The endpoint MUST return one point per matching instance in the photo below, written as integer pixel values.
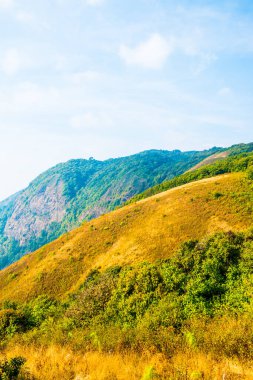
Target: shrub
(39, 309)
(250, 172)
(136, 290)
(12, 369)
(92, 299)
(12, 321)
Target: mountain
(232, 151)
(149, 230)
(235, 159)
(158, 288)
(65, 195)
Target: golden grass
(150, 229)
(57, 362)
(54, 362)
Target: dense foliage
(59, 199)
(150, 305)
(204, 278)
(13, 369)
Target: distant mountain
(69, 193)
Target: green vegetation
(206, 278)
(153, 282)
(145, 306)
(151, 230)
(232, 164)
(64, 196)
(12, 369)
(119, 288)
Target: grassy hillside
(232, 151)
(59, 199)
(157, 289)
(221, 164)
(211, 159)
(151, 229)
(172, 319)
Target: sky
(109, 78)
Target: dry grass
(210, 160)
(54, 362)
(61, 363)
(150, 229)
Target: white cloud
(11, 62)
(225, 91)
(151, 54)
(30, 95)
(84, 76)
(94, 2)
(82, 121)
(24, 16)
(27, 95)
(60, 62)
(27, 99)
(5, 4)
(92, 121)
(205, 60)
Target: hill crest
(60, 198)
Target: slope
(221, 164)
(232, 151)
(210, 160)
(59, 199)
(149, 230)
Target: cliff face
(61, 198)
(33, 213)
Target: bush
(12, 321)
(250, 173)
(93, 297)
(154, 305)
(12, 369)
(136, 290)
(39, 309)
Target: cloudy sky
(107, 78)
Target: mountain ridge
(61, 197)
(229, 161)
(149, 230)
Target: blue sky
(107, 78)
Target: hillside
(157, 289)
(232, 151)
(151, 229)
(230, 161)
(59, 199)
(210, 160)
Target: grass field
(55, 362)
